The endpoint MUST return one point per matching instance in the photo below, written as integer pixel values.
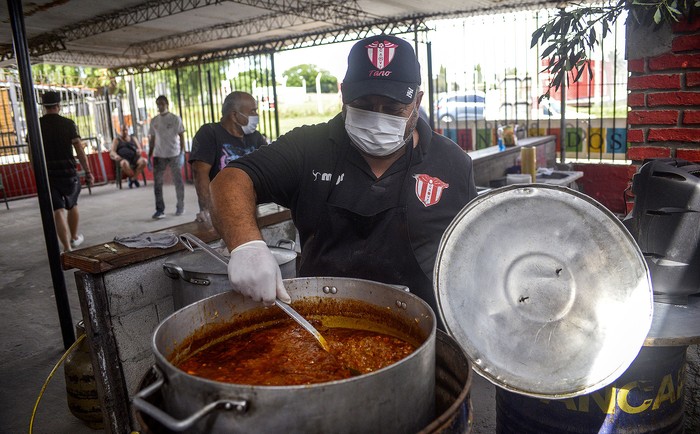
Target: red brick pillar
(664, 94)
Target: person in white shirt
(166, 147)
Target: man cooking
(371, 191)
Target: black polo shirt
(215, 146)
(312, 164)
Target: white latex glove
(253, 271)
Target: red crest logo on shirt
(429, 189)
(381, 53)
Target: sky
(333, 58)
(495, 43)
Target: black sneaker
(136, 183)
(131, 184)
(158, 215)
(179, 212)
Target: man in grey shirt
(166, 146)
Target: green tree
(308, 72)
(70, 75)
(244, 80)
(440, 82)
(569, 36)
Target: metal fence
(481, 74)
(486, 75)
(196, 93)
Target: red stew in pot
(285, 354)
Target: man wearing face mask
(217, 144)
(166, 145)
(371, 191)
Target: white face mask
(376, 134)
(251, 126)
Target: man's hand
(150, 163)
(89, 178)
(203, 217)
(253, 271)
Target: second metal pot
(196, 276)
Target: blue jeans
(159, 166)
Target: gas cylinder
(81, 389)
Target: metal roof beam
(107, 22)
(334, 12)
(145, 12)
(40, 47)
(224, 31)
(82, 58)
(339, 13)
(327, 36)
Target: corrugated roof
(159, 33)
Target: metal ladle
(188, 240)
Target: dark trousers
(159, 166)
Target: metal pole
(108, 109)
(41, 176)
(431, 90)
(211, 97)
(415, 37)
(562, 121)
(274, 94)
(179, 93)
(131, 90)
(120, 110)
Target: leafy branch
(570, 35)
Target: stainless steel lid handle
(188, 240)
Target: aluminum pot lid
(201, 262)
(545, 290)
(198, 262)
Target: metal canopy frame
(279, 24)
(332, 36)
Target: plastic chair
(82, 174)
(118, 175)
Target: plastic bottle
(501, 146)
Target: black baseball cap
(50, 98)
(382, 65)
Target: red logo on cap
(429, 189)
(381, 53)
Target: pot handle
(400, 287)
(291, 243)
(173, 271)
(189, 239)
(170, 422)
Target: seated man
(126, 152)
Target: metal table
(675, 324)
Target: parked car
(460, 106)
(546, 110)
(552, 108)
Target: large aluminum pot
(196, 276)
(453, 406)
(395, 399)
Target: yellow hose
(53, 371)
